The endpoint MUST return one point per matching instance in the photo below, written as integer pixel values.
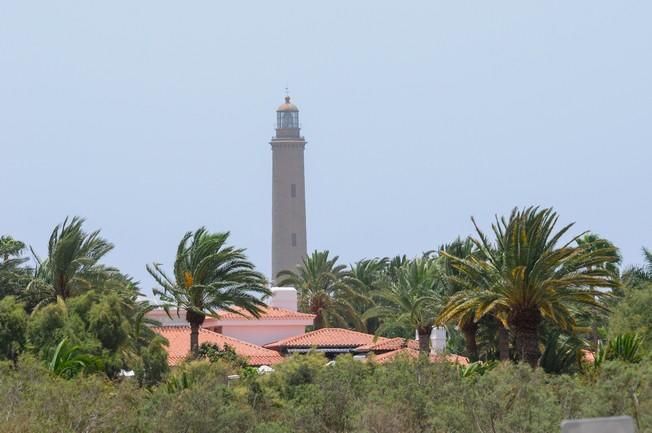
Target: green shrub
(13, 326)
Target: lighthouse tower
(288, 191)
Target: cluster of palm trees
(529, 277)
(500, 294)
(82, 297)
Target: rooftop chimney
(284, 297)
(438, 340)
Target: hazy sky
(151, 118)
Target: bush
(305, 395)
(13, 325)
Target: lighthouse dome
(287, 106)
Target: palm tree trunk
(194, 338)
(424, 340)
(470, 329)
(526, 329)
(503, 343)
(594, 334)
(195, 319)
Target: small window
(293, 190)
(294, 239)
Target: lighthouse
(289, 245)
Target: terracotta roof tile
(267, 313)
(587, 356)
(412, 353)
(179, 339)
(389, 344)
(327, 337)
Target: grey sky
(151, 118)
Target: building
(279, 320)
(336, 341)
(330, 341)
(179, 345)
(289, 244)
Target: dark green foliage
(326, 290)
(214, 353)
(107, 322)
(68, 361)
(633, 314)
(562, 353)
(626, 348)
(14, 274)
(475, 369)
(49, 325)
(101, 325)
(72, 266)
(412, 300)
(178, 382)
(153, 365)
(32, 400)
(529, 276)
(13, 327)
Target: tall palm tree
(413, 299)
(209, 277)
(592, 241)
(367, 276)
(72, 265)
(528, 277)
(465, 320)
(325, 290)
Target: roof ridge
(349, 337)
(237, 340)
(226, 337)
(171, 326)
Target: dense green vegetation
(529, 294)
(305, 396)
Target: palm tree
(413, 299)
(465, 320)
(72, 265)
(10, 250)
(209, 276)
(527, 277)
(13, 275)
(639, 276)
(592, 241)
(325, 290)
(367, 276)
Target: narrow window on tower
(294, 239)
(293, 190)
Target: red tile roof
(587, 356)
(267, 313)
(179, 339)
(389, 344)
(327, 337)
(412, 353)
